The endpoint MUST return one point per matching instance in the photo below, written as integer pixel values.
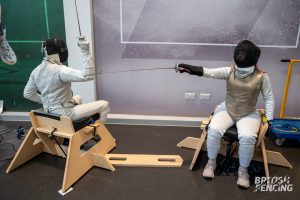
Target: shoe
(209, 169)
(7, 55)
(243, 180)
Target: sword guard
(82, 38)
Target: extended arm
(217, 73)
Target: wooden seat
(48, 132)
(78, 162)
(260, 153)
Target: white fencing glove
(83, 43)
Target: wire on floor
(4, 132)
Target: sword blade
(78, 22)
(134, 70)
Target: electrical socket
(190, 95)
(205, 96)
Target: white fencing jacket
(50, 82)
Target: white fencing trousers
(84, 110)
(247, 128)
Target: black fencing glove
(193, 70)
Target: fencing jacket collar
(54, 58)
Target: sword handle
(176, 68)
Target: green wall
(28, 23)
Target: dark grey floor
(42, 177)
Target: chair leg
(189, 142)
(271, 157)
(79, 163)
(28, 150)
(76, 164)
(198, 148)
(265, 158)
(277, 158)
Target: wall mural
(26, 28)
(134, 34)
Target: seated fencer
(244, 82)
(50, 82)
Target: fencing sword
(136, 70)
(78, 22)
(121, 71)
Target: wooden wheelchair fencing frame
(78, 161)
(260, 153)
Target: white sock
(213, 146)
(246, 152)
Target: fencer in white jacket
(50, 82)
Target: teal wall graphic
(28, 23)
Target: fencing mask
(246, 54)
(56, 46)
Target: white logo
(273, 184)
